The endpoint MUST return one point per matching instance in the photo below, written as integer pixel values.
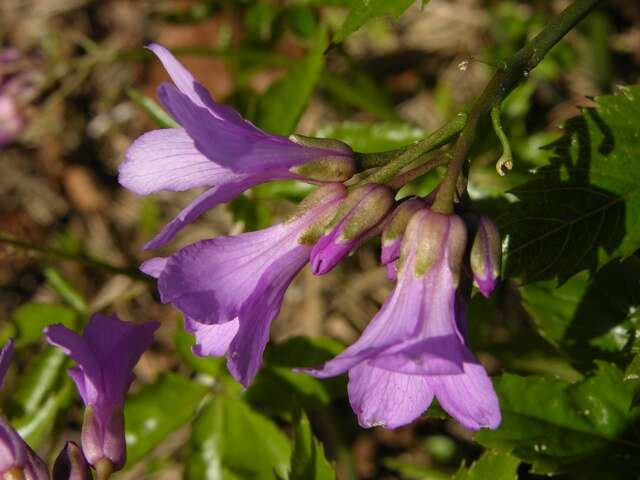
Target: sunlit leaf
(30, 320)
(493, 465)
(158, 410)
(372, 137)
(588, 318)
(580, 211)
(363, 10)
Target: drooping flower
(216, 148)
(486, 256)
(105, 355)
(414, 348)
(16, 84)
(17, 460)
(231, 288)
(71, 464)
(356, 221)
(393, 231)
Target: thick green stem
(516, 69)
(438, 138)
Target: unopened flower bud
(393, 232)
(337, 165)
(71, 464)
(486, 256)
(103, 436)
(356, 220)
(432, 238)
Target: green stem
(516, 69)
(440, 137)
(59, 254)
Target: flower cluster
(231, 288)
(105, 355)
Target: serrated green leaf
(280, 108)
(231, 440)
(155, 112)
(362, 11)
(493, 465)
(588, 318)
(30, 320)
(372, 137)
(158, 410)
(308, 461)
(585, 427)
(581, 210)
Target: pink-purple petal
(468, 397)
(388, 399)
(169, 160)
(212, 339)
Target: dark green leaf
(283, 392)
(580, 211)
(308, 461)
(372, 137)
(362, 11)
(284, 102)
(585, 427)
(493, 465)
(588, 318)
(31, 319)
(158, 410)
(358, 89)
(230, 440)
(155, 112)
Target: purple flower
(355, 222)
(16, 84)
(486, 256)
(231, 288)
(16, 457)
(71, 464)
(414, 348)
(218, 149)
(105, 355)
(6, 354)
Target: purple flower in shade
(414, 348)
(486, 255)
(231, 288)
(357, 220)
(105, 355)
(71, 464)
(16, 84)
(6, 354)
(393, 231)
(17, 460)
(218, 149)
